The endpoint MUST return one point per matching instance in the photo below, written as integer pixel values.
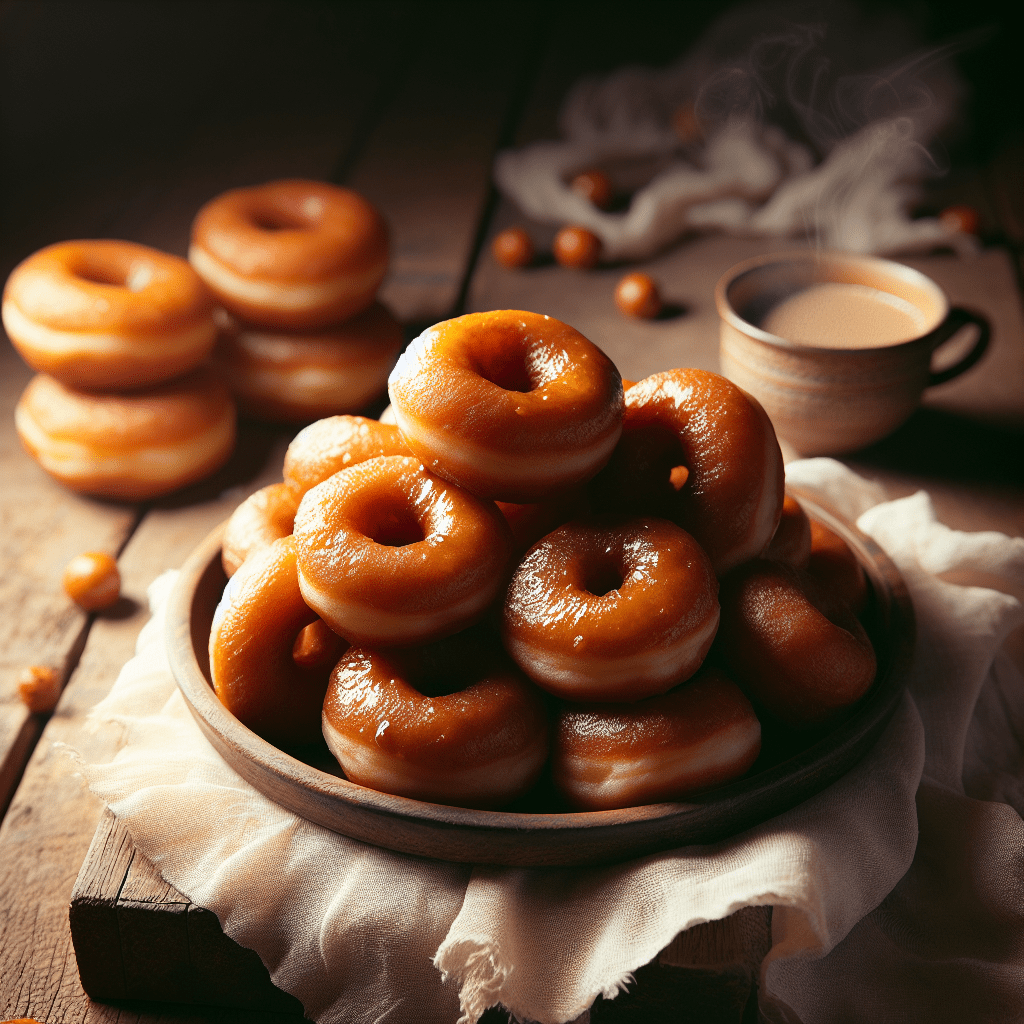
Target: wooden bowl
(788, 772)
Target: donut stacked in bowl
(523, 569)
(296, 266)
(122, 406)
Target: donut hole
(395, 527)
(506, 369)
(603, 576)
(274, 218)
(97, 270)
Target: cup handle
(957, 319)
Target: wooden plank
(48, 828)
(428, 164)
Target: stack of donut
(122, 406)
(296, 266)
(528, 567)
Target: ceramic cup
(858, 377)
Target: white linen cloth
(862, 930)
(814, 122)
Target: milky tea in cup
(837, 347)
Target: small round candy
(513, 248)
(577, 248)
(39, 688)
(92, 580)
(637, 295)
(964, 219)
(595, 186)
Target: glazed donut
(390, 554)
(453, 724)
(335, 443)
(268, 668)
(611, 609)
(510, 405)
(699, 451)
(792, 540)
(295, 378)
(265, 516)
(293, 254)
(800, 655)
(699, 735)
(836, 568)
(134, 445)
(104, 315)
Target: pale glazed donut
(510, 405)
(390, 554)
(134, 445)
(294, 254)
(698, 450)
(335, 443)
(455, 723)
(800, 655)
(268, 668)
(265, 516)
(105, 315)
(792, 540)
(699, 735)
(295, 378)
(611, 609)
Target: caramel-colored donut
(105, 315)
(390, 554)
(510, 405)
(295, 378)
(453, 724)
(835, 567)
(792, 540)
(335, 443)
(532, 521)
(134, 445)
(258, 628)
(699, 735)
(265, 516)
(699, 451)
(611, 610)
(800, 655)
(294, 254)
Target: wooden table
(122, 119)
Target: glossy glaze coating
(835, 567)
(454, 723)
(730, 497)
(265, 516)
(297, 377)
(104, 314)
(295, 254)
(92, 580)
(255, 630)
(134, 445)
(532, 521)
(799, 654)
(611, 609)
(696, 736)
(390, 554)
(335, 443)
(792, 540)
(511, 405)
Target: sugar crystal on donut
(509, 404)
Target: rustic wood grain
(427, 165)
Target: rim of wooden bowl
(518, 838)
